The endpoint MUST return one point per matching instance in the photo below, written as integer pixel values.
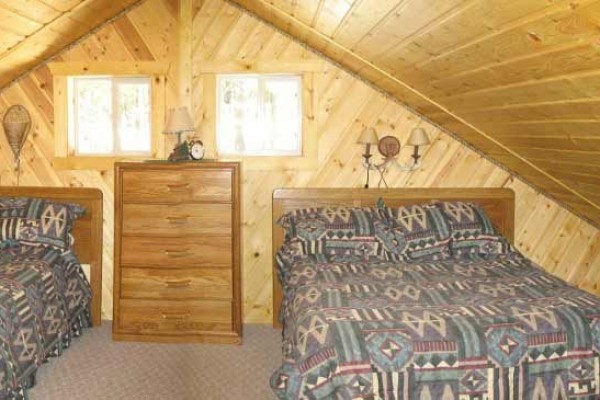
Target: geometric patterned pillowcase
(333, 231)
(472, 231)
(414, 232)
(38, 222)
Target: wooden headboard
(87, 230)
(499, 204)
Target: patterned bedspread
(458, 329)
(44, 300)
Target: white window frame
(73, 81)
(64, 154)
(262, 79)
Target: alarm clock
(196, 149)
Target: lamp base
(181, 152)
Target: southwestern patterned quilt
(495, 327)
(44, 302)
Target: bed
(478, 322)
(45, 297)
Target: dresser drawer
(177, 220)
(173, 283)
(173, 317)
(197, 251)
(161, 186)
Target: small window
(259, 115)
(109, 115)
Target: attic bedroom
(281, 199)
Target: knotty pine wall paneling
(146, 33)
(551, 235)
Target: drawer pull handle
(178, 220)
(176, 253)
(178, 284)
(178, 187)
(175, 316)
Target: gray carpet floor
(95, 367)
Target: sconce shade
(368, 136)
(179, 121)
(418, 137)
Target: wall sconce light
(368, 137)
(418, 137)
(389, 148)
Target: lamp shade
(418, 137)
(179, 121)
(368, 136)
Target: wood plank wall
(552, 236)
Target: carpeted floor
(97, 368)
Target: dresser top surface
(164, 164)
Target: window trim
(261, 78)
(309, 157)
(64, 156)
(116, 82)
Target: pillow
(414, 232)
(471, 230)
(38, 222)
(333, 230)
(285, 257)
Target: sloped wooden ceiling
(517, 79)
(32, 31)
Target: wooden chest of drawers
(177, 252)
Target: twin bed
(422, 298)
(45, 297)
